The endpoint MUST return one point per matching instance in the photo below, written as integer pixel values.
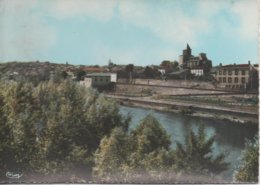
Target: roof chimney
(220, 64)
(248, 62)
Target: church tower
(187, 51)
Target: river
(230, 137)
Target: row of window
(235, 86)
(101, 79)
(224, 72)
(229, 80)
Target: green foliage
(129, 157)
(195, 156)
(53, 127)
(169, 65)
(112, 156)
(129, 69)
(248, 170)
(150, 72)
(80, 75)
(150, 136)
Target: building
(236, 76)
(198, 65)
(87, 82)
(101, 81)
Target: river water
(230, 137)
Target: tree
(136, 157)
(18, 126)
(150, 136)
(248, 169)
(195, 156)
(110, 65)
(129, 69)
(112, 157)
(169, 66)
(151, 151)
(80, 75)
(150, 72)
(54, 127)
(64, 74)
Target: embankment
(209, 111)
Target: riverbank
(196, 110)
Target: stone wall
(175, 83)
(123, 88)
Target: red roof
(93, 69)
(237, 65)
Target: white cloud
(101, 10)
(180, 26)
(172, 25)
(24, 34)
(246, 10)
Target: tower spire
(188, 47)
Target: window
(243, 72)
(236, 80)
(229, 80)
(107, 79)
(236, 72)
(243, 80)
(224, 72)
(101, 79)
(229, 72)
(95, 79)
(220, 72)
(224, 79)
(219, 79)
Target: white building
(99, 79)
(197, 71)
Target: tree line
(58, 127)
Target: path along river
(230, 137)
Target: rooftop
(93, 69)
(100, 74)
(236, 66)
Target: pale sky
(141, 32)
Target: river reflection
(230, 137)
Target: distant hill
(33, 71)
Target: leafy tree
(129, 69)
(195, 156)
(248, 170)
(150, 72)
(54, 127)
(71, 121)
(112, 157)
(64, 74)
(150, 136)
(135, 157)
(80, 75)
(169, 66)
(110, 65)
(19, 124)
(151, 146)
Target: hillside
(35, 70)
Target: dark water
(230, 137)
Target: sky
(141, 32)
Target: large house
(100, 80)
(198, 65)
(236, 76)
